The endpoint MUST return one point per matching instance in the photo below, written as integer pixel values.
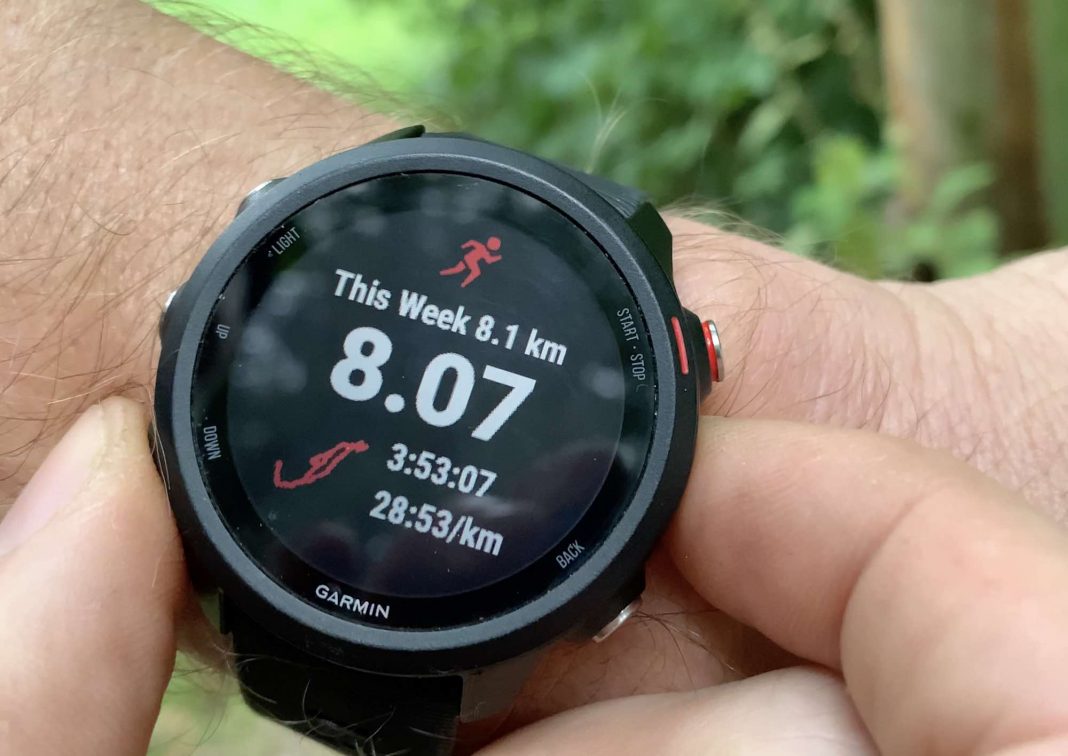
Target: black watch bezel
(219, 563)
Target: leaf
(767, 122)
(959, 185)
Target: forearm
(126, 141)
(1009, 330)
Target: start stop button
(699, 349)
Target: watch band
(351, 711)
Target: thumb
(91, 584)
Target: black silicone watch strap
(351, 711)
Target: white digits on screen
(367, 367)
(521, 388)
(431, 384)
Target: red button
(714, 349)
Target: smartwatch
(423, 409)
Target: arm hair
(126, 141)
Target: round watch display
(422, 395)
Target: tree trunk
(1049, 24)
(1017, 194)
(961, 91)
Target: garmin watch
(423, 409)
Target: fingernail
(65, 471)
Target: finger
(90, 587)
(675, 643)
(774, 311)
(791, 712)
(801, 340)
(944, 602)
(796, 335)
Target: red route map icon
(320, 465)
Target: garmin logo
(352, 604)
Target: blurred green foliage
(771, 112)
(767, 112)
(720, 102)
(849, 213)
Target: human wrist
(121, 162)
(1000, 344)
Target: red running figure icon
(477, 254)
(320, 465)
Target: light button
(165, 310)
(255, 194)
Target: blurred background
(914, 139)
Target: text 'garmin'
(351, 603)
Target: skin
(929, 604)
(128, 140)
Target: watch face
(423, 399)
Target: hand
(92, 587)
(973, 367)
(929, 604)
(940, 600)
